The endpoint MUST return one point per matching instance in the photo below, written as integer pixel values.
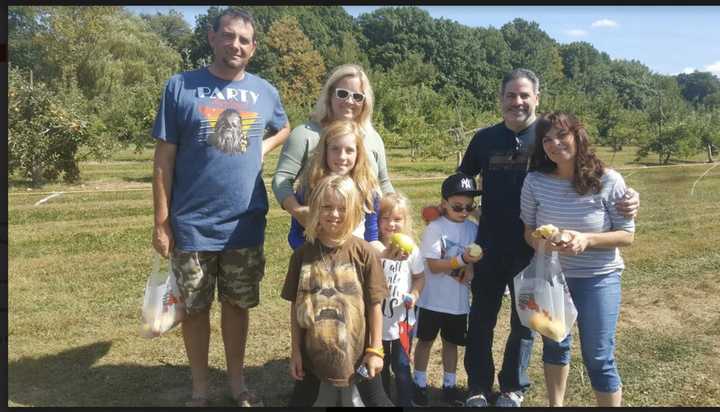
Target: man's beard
(234, 65)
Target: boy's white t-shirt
(444, 239)
(398, 274)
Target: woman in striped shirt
(569, 186)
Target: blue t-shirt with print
(218, 198)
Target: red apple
(430, 213)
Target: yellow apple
(475, 250)
(545, 231)
(538, 321)
(553, 329)
(403, 242)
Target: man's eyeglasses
(343, 94)
(459, 208)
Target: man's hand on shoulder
(630, 205)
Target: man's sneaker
(453, 396)
(420, 396)
(476, 400)
(509, 400)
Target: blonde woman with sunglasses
(346, 95)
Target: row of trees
(435, 80)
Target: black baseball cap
(459, 184)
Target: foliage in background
(432, 77)
(300, 69)
(115, 60)
(45, 131)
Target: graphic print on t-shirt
(449, 249)
(330, 308)
(393, 276)
(227, 127)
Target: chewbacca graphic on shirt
(331, 309)
(229, 136)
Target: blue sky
(667, 39)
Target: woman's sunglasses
(460, 208)
(343, 94)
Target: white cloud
(713, 68)
(604, 23)
(688, 70)
(576, 33)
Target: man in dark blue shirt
(500, 154)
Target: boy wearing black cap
(445, 300)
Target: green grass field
(78, 265)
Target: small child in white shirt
(445, 301)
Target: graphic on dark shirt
(330, 307)
(509, 160)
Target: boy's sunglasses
(460, 208)
(343, 94)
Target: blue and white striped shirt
(546, 199)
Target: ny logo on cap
(466, 183)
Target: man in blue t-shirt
(209, 197)
(500, 154)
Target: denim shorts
(597, 300)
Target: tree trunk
(709, 152)
(37, 176)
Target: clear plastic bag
(542, 298)
(163, 306)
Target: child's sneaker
(453, 396)
(509, 400)
(420, 395)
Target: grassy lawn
(78, 265)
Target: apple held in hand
(475, 250)
(545, 232)
(402, 242)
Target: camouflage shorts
(237, 272)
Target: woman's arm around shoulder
(294, 154)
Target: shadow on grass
(144, 179)
(15, 182)
(70, 379)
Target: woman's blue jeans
(597, 300)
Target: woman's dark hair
(588, 167)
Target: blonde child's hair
(345, 188)
(397, 201)
(361, 173)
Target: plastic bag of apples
(542, 298)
